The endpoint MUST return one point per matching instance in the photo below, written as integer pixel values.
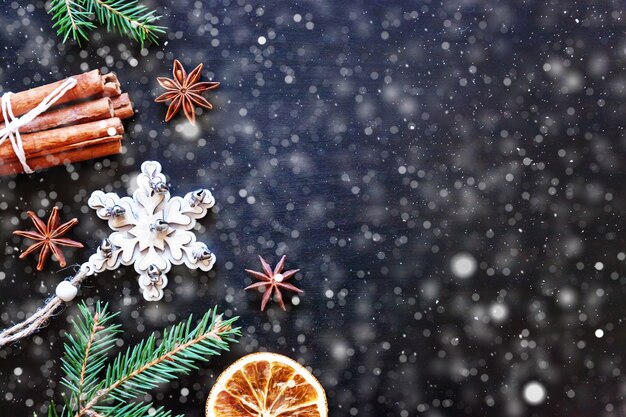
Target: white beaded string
(13, 124)
(40, 318)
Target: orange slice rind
(266, 385)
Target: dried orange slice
(266, 385)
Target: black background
(370, 142)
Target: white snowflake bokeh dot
(534, 393)
(463, 265)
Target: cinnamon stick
(97, 148)
(110, 85)
(89, 84)
(87, 111)
(57, 140)
(122, 106)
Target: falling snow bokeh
(446, 175)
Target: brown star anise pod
(184, 91)
(275, 280)
(48, 238)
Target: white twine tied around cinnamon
(13, 124)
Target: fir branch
(127, 16)
(70, 18)
(73, 18)
(86, 352)
(146, 365)
(141, 368)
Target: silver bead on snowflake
(151, 230)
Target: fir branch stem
(94, 328)
(167, 356)
(70, 15)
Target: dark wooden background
(370, 142)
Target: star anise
(48, 238)
(275, 280)
(184, 91)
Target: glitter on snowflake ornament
(151, 230)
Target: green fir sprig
(70, 19)
(101, 387)
(74, 19)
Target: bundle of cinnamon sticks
(85, 123)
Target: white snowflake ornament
(151, 230)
